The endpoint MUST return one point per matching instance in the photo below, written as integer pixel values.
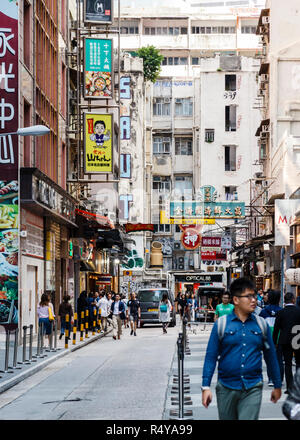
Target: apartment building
(278, 138)
(200, 121)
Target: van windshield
(150, 295)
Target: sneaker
(270, 383)
(61, 335)
(131, 333)
(114, 337)
(134, 333)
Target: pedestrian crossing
(193, 366)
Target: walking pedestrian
(103, 310)
(192, 304)
(260, 298)
(109, 303)
(286, 319)
(45, 312)
(118, 313)
(182, 301)
(269, 313)
(291, 406)
(238, 350)
(65, 309)
(134, 312)
(164, 312)
(225, 308)
(125, 320)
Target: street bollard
(41, 341)
(16, 350)
(55, 335)
(74, 328)
(181, 414)
(81, 326)
(6, 360)
(67, 331)
(30, 343)
(24, 360)
(94, 321)
(86, 323)
(98, 320)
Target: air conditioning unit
(264, 77)
(167, 100)
(181, 266)
(177, 245)
(265, 20)
(181, 260)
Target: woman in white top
(43, 313)
(164, 312)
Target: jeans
(287, 352)
(280, 363)
(239, 404)
(64, 325)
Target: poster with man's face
(98, 11)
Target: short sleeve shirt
(224, 309)
(134, 306)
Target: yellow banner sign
(164, 220)
(98, 144)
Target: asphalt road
(124, 379)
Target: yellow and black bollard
(98, 320)
(67, 331)
(74, 328)
(87, 323)
(81, 326)
(94, 320)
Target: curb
(34, 369)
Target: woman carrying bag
(164, 312)
(46, 314)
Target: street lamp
(34, 130)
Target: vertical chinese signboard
(98, 68)
(98, 11)
(9, 172)
(98, 143)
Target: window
(230, 193)
(230, 118)
(183, 31)
(209, 135)
(230, 158)
(176, 31)
(183, 147)
(162, 184)
(161, 145)
(171, 31)
(184, 187)
(162, 228)
(195, 61)
(147, 31)
(26, 142)
(230, 83)
(26, 34)
(214, 30)
(183, 61)
(184, 107)
(152, 31)
(161, 107)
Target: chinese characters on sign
(190, 237)
(98, 68)
(206, 210)
(9, 185)
(98, 143)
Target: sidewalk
(22, 371)
(193, 365)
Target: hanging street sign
(98, 68)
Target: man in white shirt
(118, 313)
(103, 310)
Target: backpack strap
(221, 324)
(263, 327)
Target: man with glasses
(238, 352)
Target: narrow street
(130, 379)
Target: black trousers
(287, 352)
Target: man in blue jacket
(118, 314)
(238, 351)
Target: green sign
(98, 68)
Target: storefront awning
(86, 266)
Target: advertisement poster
(98, 143)
(98, 11)
(98, 68)
(9, 176)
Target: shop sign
(213, 255)
(98, 68)
(167, 220)
(46, 194)
(98, 143)
(190, 239)
(206, 210)
(211, 244)
(98, 11)
(285, 211)
(199, 278)
(131, 227)
(9, 152)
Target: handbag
(163, 308)
(51, 317)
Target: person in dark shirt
(134, 313)
(65, 309)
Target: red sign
(130, 227)
(213, 255)
(190, 238)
